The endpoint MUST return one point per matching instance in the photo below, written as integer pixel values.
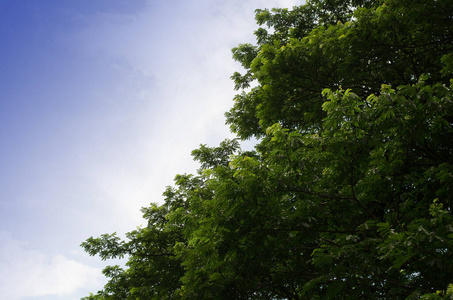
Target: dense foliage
(349, 192)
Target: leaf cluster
(327, 44)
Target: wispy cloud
(26, 273)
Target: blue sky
(101, 103)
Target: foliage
(349, 192)
(326, 44)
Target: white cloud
(26, 273)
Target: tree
(326, 44)
(350, 190)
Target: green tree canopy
(349, 192)
(327, 44)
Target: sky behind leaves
(101, 103)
